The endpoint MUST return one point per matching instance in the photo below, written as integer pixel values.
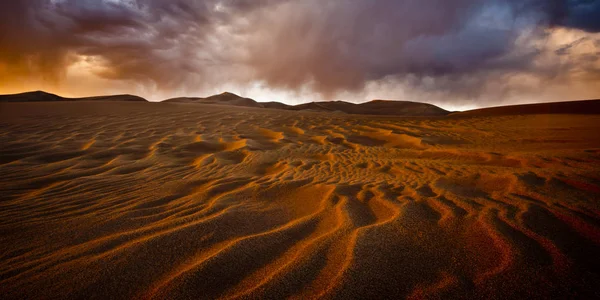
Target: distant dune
(40, 96)
(221, 99)
(376, 107)
(401, 108)
(131, 200)
(570, 107)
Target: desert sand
(111, 200)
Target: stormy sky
(453, 53)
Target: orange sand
(143, 200)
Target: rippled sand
(143, 200)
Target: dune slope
(136, 200)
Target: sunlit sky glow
(458, 54)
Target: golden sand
(143, 200)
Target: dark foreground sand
(142, 200)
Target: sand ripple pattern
(175, 201)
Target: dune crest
(132, 200)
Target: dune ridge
(131, 200)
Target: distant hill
(570, 107)
(40, 96)
(223, 99)
(376, 107)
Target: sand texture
(111, 200)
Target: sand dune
(223, 99)
(167, 201)
(375, 107)
(568, 107)
(40, 96)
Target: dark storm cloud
(343, 44)
(455, 46)
(582, 14)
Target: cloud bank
(449, 52)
